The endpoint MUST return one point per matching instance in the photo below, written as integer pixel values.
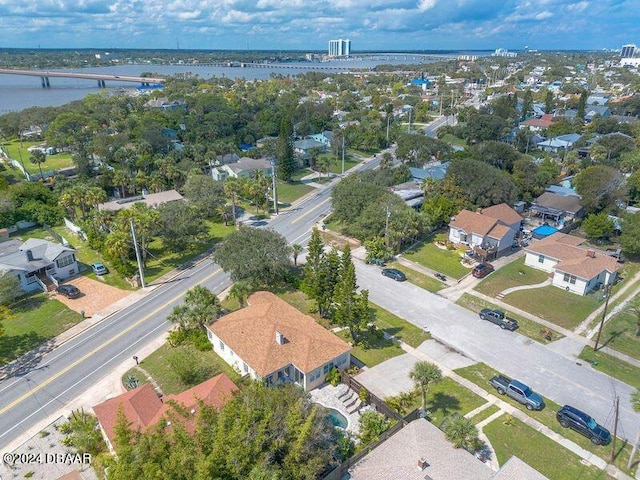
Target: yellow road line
(95, 350)
(307, 213)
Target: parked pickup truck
(499, 318)
(518, 391)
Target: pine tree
(346, 299)
(315, 258)
(327, 280)
(286, 161)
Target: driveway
(547, 371)
(389, 378)
(96, 296)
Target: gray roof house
(245, 167)
(38, 264)
(436, 172)
(562, 141)
(420, 451)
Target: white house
(37, 263)
(491, 229)
(574, 268)
(245, 167)
(270, 340)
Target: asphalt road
(549, 373)
(77, 365)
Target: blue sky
(310, 24)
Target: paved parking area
(390, 377)
(96, 296)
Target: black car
(499, 318)
(68, 291)
(394, 273)
(571, 417)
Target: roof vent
(591, 253)
(193, 410)
(422, 464)
(280, 340)
(29, 255)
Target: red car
(482, 270)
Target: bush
(334, 377)
(200, 341)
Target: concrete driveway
(389, 378)
(96, 296)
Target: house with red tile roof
(143, 408)
(538, 124)
(270, 340)
(491, 229)
(574, 268)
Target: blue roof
(420, 81)
(436, 172)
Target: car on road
(520, 392)
(571, 417)
(69, 291)
(99, 268)
(499, 318)
(482, 270)
(394, 273)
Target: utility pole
(386, 227)
(409, 127)
(342, 153)
(604, 314)
(135, 244)
(275, 191)
(615, 429)
(388, 119)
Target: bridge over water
(101, 78)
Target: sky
(372, 25)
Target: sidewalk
(505, 407)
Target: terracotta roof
(143, 408)
(72, 475)
(251, 334)
(545, 121)
(573, 259)
(503, 212)
(473, 222)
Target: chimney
(591, 253)
(478, 210)
(279, 338)
(29, 255)
(422, 464)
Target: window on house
(221, 346)
(64, 261)
(540, 258)
(570, 279)
(245, 367)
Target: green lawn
(289, 192)
(537, 450)
(551, 303)
(620, 333)
(444, 261)
(298, 174)
(453, 140)
(612, 366)
(480, 374)
(35, 319)
(158, 365)
(420, 279)
(513, 274)
(443, 400)
(399, 328)
(372, 349)
(20, 153)
(336, 162)
(484, 414)
(526, 327)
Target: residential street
(546, 371)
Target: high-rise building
(339, 48)
(628, 51)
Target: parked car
(99, 268)
(69, 291)
(520, 392)
(571, 417)
(394, 273)
(499, 318)
(482, 270)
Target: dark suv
(69, 291)
(482, 270)
(570, 417)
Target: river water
(18, 92)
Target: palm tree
(424, 374)
(240, 291)
(296, 249)
(95, 196)
(231, 190)
(120, 179)
(635, 404)
(462, 432)
(634, 309)
(38, 157)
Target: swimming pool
(543, 231)
(337, 419)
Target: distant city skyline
(310, 24)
